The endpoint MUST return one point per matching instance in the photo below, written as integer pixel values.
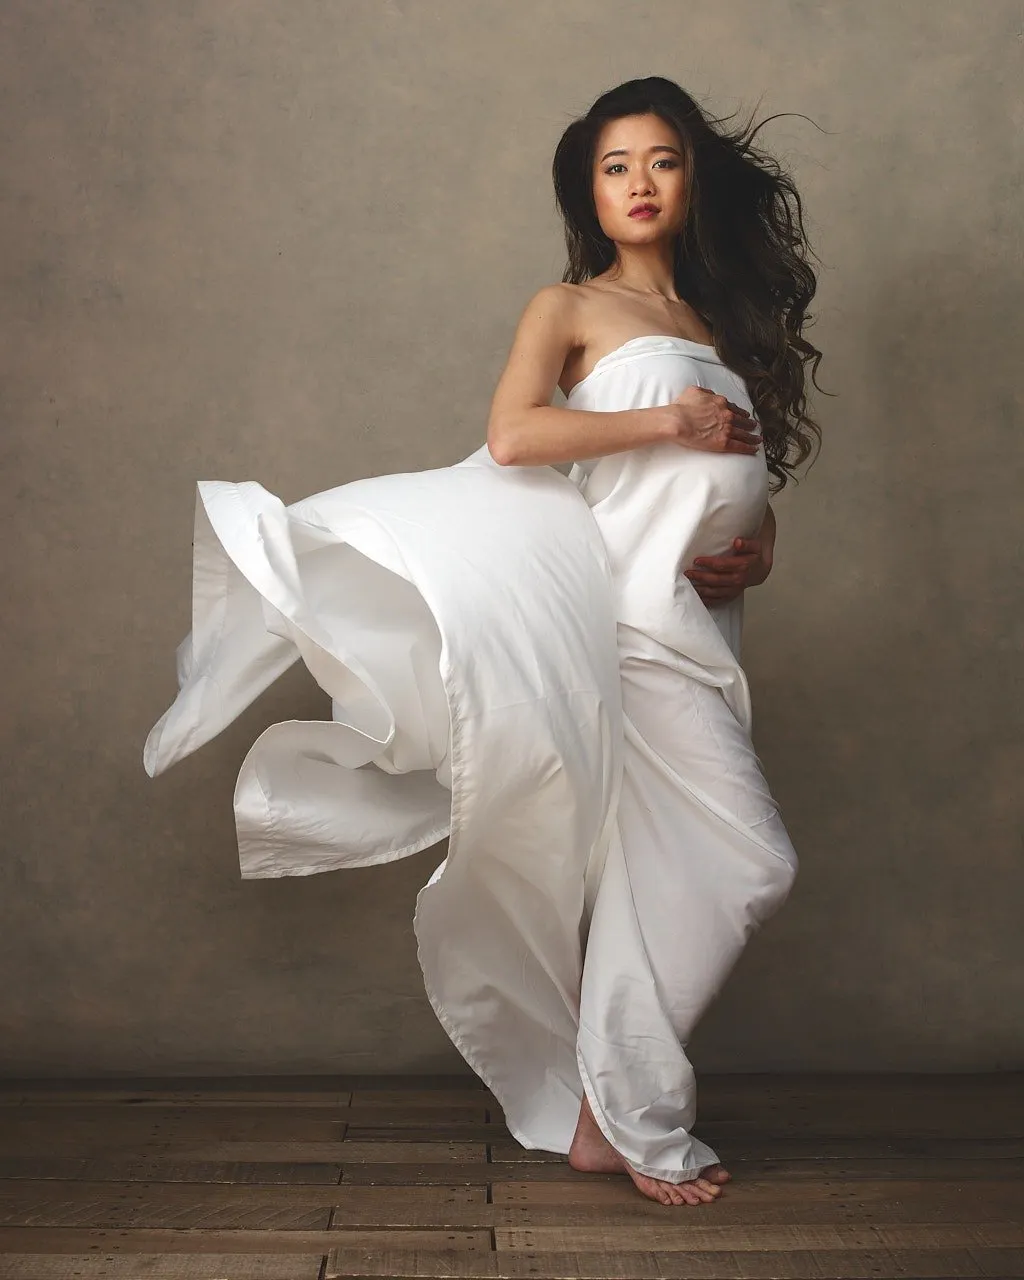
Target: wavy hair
(740, 259)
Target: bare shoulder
(552, 311)
(563, 318)
(568, 325)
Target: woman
(545, 667)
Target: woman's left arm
(719, 579)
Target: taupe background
(289, 240)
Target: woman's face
(645, 166)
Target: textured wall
(288, 240)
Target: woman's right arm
(525, 429)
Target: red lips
(646, 207)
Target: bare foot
(591, 1152)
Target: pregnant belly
(671, 501)
(735, 510)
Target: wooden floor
(874, 1176)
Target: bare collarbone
(609, 318)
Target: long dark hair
(739, 261)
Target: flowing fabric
(516, 662)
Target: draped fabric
(515, 662)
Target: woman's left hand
(719, 579)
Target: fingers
(718, 582)
(741, 439)
(728, 562)
(715, 574)
(742, 431)
(716, 590)
(718, 595)
(737, 432)
(721, 581)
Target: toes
(667, 1193)
(693, 1192)
(657, 1190)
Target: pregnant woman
(536, 651)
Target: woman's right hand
(703, 419)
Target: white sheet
(515, 661)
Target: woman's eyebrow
(622, 152)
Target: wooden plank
(921, 1106)
(777, 1193)
(945, 1168)
(899, 1124)
(158, 1266)
(479, 1173)
(57, 1240)
(133, 1169)
(413, 1114)
(136, 1205)
(425, 1173)
(512, 1151)
(443, 1240)
(448, 1099)
(898, 1127)
(69, 1128)
(166, 1205)
(330, 1098)
(192, 1149)
(346, 1083)
(972, 1105)
(631, 1209)
(126, 1123)
(999, 1262)
(826, 1091)
(396, 1112)
(87, 1240)
(439, 1199)
(399, 1152)
(819, 1146)
(466, 1132)
(688, 1234)
(803, 1171)
(438, 1086)
(855, 1179)
(179, 1151)
(398, 1264)
(831, 1085)
(280, 1126)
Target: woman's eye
(612, 167)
